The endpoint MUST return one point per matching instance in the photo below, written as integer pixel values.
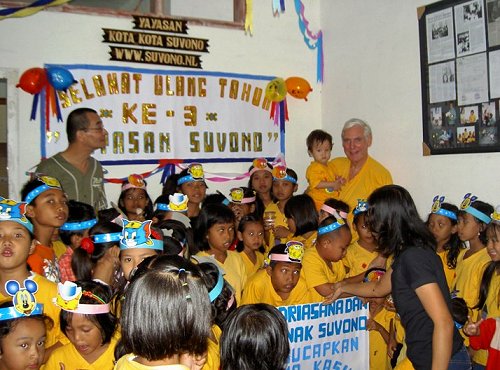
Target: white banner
(160, 114)
(328, 337)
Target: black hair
(148, 211)
(210, 215)
(255, 338)
(337, 204)
(77, 120)
(482, 207)
(160, 214)
(328, 221)
(221, 308)
(77, 212)
(108, 214)
(6, 326)
(491, 269)
(176, 237)
(278, 249)
(260, 207)
(250, 218)
(215, 198)
(395, 222)
(459, 310)
(318, 136)
(302, 210)
(454, 245)
(170, 185)
(166, 310)
(81, 262)
(28, 187)
(105, 322)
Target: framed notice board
(460, 66)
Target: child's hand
(337, 292)
(471, 329)
(339, 182)
(371, 325)
(281, 232)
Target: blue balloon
(60, 78)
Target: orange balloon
(298, 87)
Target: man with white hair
(362, 173)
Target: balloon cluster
(35, 79)
(46, 82)
(297, 87)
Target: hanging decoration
(249, 17)
(168, 167)
(278, 6)
(46, 82)
(298, 87)
(312, 40)
(25, 11)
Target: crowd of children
(190, 280)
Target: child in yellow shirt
(280, 283)
(363, 251)
(322, 265)
(251, 238)
(302, 219)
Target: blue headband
(48, 183)
(162, 207)
(8, 313)
(76, 226)
(436, 208)
(467, 207)
(286, 178)
(478, 214)
(217, 289)
(329, 228)
(105, 238)
(23, 300)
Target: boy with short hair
(280, 283)
(16, 243)
(322, 265)
(48, 210)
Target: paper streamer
(317, 39)
(31, 9)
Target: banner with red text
(153, 115)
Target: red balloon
(33, 80)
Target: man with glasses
(80, 175)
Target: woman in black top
(417, 281)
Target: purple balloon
(60, 78)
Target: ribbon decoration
(308, 36)
(249, 17)
(168, 166)
(25, 11)
(279, 113)
(278, 6)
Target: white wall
(276, 48)
(373, 72)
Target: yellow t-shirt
(251, 267)
(448, 272)
(371, 176)
(357, 259)
(46, 291)
(235, 271)
(378, 346)
(260, 289)
(59, 248)
(127, 363)
(279, 221)
(72, 360)
(316, 173)
(213, 354)
(469, 272)
(316, 271)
